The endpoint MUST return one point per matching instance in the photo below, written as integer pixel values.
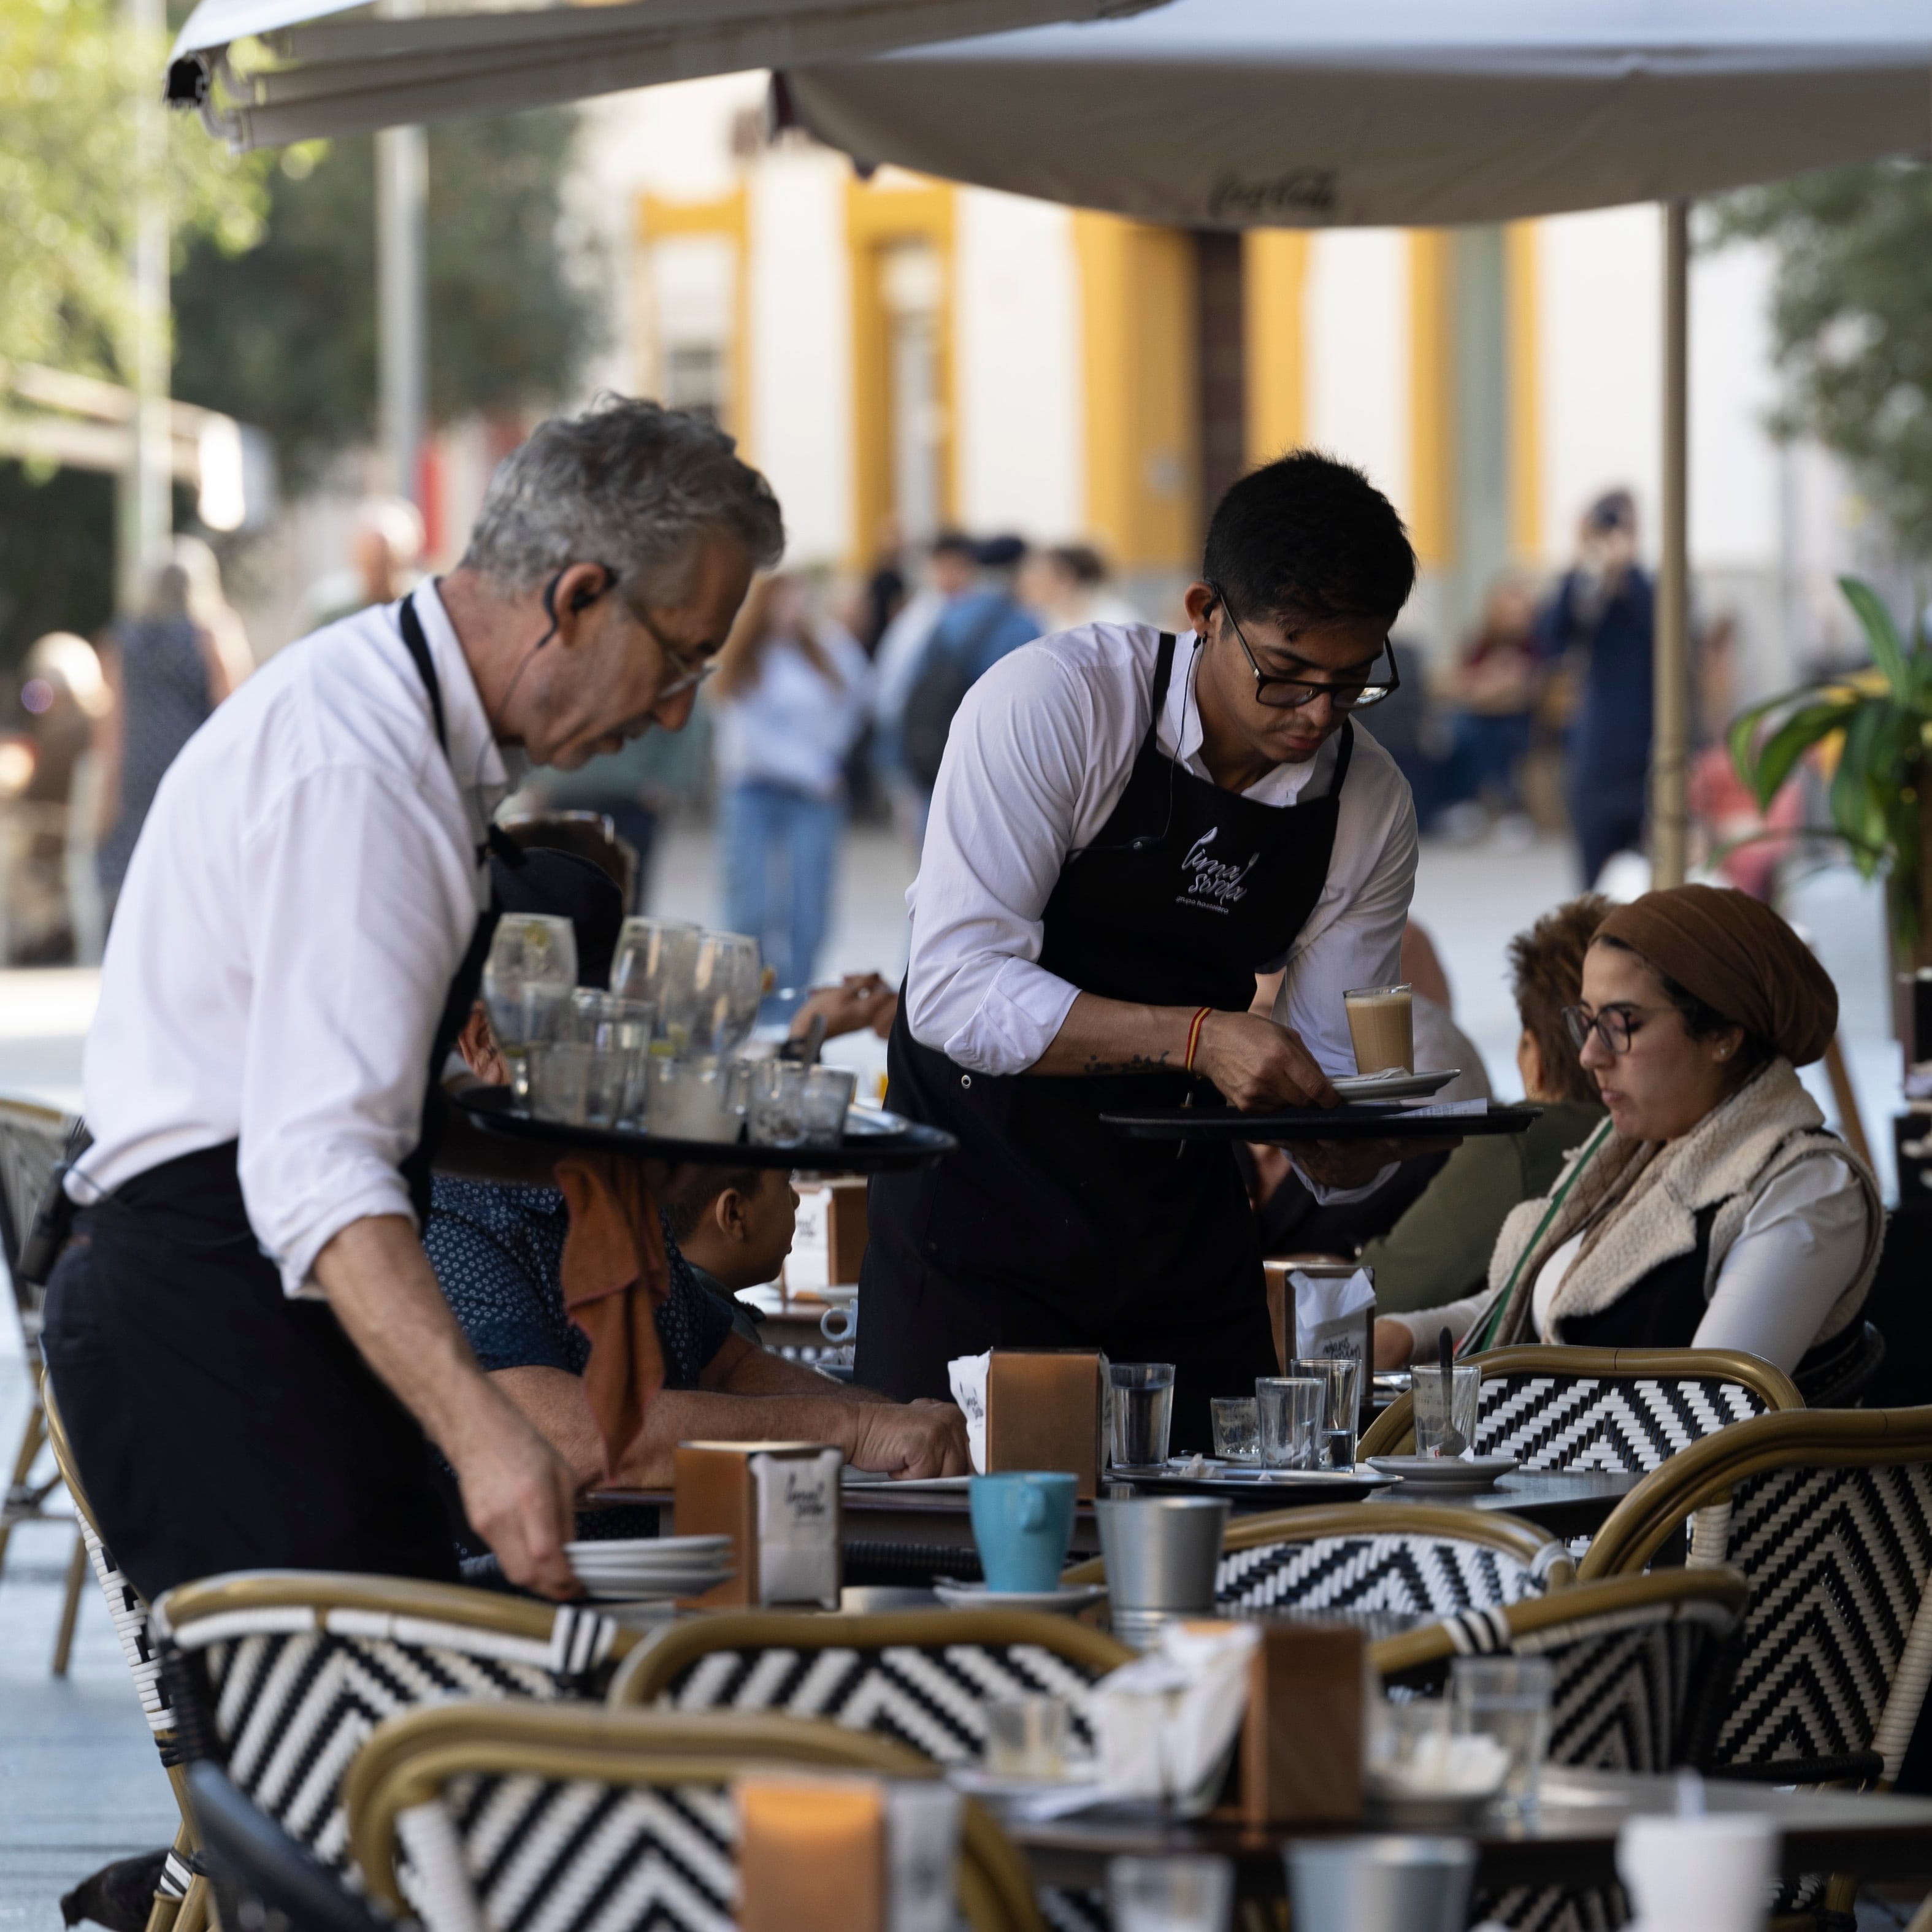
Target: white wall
(1017, 375)
(1356, 368)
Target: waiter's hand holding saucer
(1132, 831)
(247, 1340)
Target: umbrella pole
(1670, 752)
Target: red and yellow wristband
(1194, 1027)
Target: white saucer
(978, 1597)
(1445, 1472)
(1393, 1086)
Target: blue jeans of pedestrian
(780, 846)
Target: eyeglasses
(1291, 693)
(691, 672)
(1612, 1026)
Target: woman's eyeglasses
(1291, 693)
(1612, 1025)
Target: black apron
(1047, 1229)
(218, 1424)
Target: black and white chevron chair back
(1554, 1421)
(930, 1696)
(294, 1693)
(1837, 1560)
(514, 1854)
(1423, 1576)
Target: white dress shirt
(303, 890)
(1038, 755)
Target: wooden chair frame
(664, 1655)
(1393, 1433)
(410, 1758)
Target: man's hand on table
(923, 1438)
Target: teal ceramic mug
(1021, 1519)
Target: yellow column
(1274, 271)
(725, 216)
(1137, 286)
(1432, 361)
(1522, 347)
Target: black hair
(954, 543)
(1701, 1021)
(683, 1216)
(1308, 539)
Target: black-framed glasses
(1612, 1025)
(691, 672)
(1291, 693)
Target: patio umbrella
(1237, 113)
(331, 75)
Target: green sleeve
(1439, 1250)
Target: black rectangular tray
(496, 1110)
(1358, 1121)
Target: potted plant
(1877, 792)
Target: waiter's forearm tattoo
(1135, 1063)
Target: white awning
(339, 67)
(1230, 113)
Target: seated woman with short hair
(1712, 1209)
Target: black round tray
(495, 1109)
(1359, 1121)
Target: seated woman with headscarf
(1712, 1209)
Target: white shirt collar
(486, 772)
(1179, 735)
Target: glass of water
(1341, 1375)
(1506, 1699)
(527, 980)
(1446, 1407)
(559, 1080)
(828, 1092)
(776, 1102)
(1140, 1402)
(1289, 1410)
(1026, 1737)
(1237, 1428)
(1176, 1895)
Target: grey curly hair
(628, 483)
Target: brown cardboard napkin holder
(1046, 1409)
(1301, 1744)
(718, 1493)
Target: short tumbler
(1444, 1403)
(1140, 1399)
(1290, 1409)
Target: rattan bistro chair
(484, 1818)
(280, 1676)
(921, 1677)
(1622, 1409)
(1414, 1558)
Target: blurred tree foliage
(284, 337)
(1851, 313)
(72, 171)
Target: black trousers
(217, 1425)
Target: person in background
(166, 673)
(789, 700)
(1711, 1209)
(1491, 689)
(883, 596)
(734, 1231)
(1604, 614)
(386, 544)
(1439, 1249)
(952, 569)
(1069, 585)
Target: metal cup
(1380, 1884)
(1162, 1553)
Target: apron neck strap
(418, 650)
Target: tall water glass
(1289, 1409)
(727, 980)
(527, 980)
(828, 1093)
(1140, 1402)
(1171, 1894)
(1341, 1376)
(1446, 1407)
(1507, 1699)
(656, 961)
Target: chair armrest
(1863, 1767)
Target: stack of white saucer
(637, 1568)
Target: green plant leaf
(1881, 633)
(1859, 799)
(1765, 767)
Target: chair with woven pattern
(473, 1817)
(281, 1676)
(1412, 1558)
(1638, 1665)
(1828, 1515)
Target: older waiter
(1132, 834)
(245, 1336)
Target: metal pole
(147, 496)
(1670, 748)
(402, 300)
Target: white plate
(1078, 1775)
(1445, 1472)
(1393, 1086)
(978, 1597)
(664, 1546)
(879, 1479)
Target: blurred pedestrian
(385, 543)
(166, 673)
(884, 594)
(1603, 614)
(789, 698)
(1491, 690)
(1069, 585)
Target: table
(1566, 1502)
(1570, 1841)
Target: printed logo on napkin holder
(778, 1502)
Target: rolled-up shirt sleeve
(353, 894)
(1009, 796)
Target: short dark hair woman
(1711, 1209)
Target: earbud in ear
(585, 595)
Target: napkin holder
(717, 1495)
(1046, 1409)
(1301, 1743)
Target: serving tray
(1360, 1120)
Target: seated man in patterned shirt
(498, 1252)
